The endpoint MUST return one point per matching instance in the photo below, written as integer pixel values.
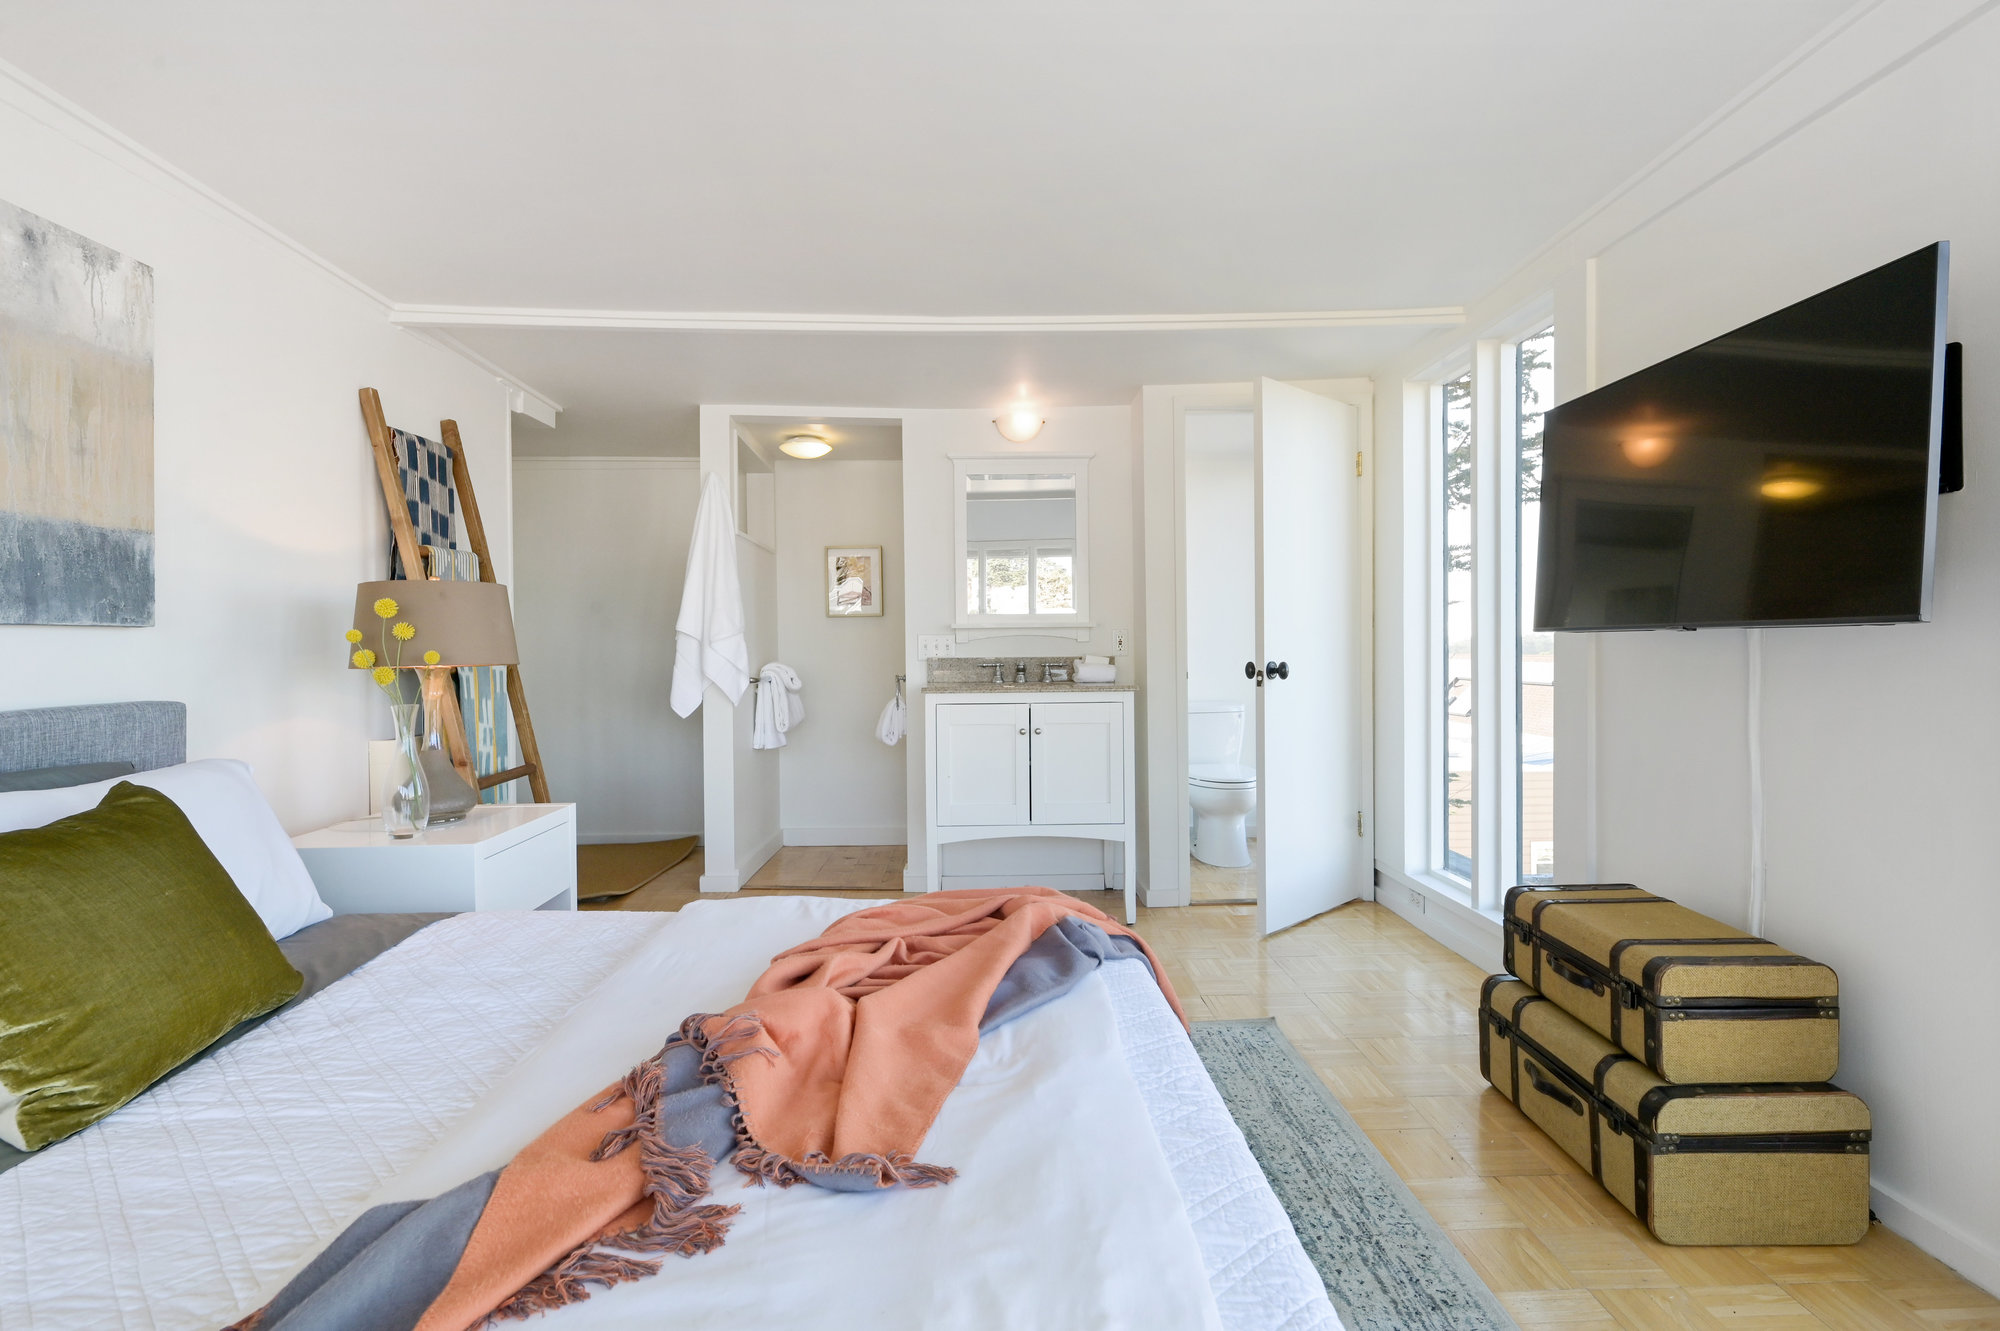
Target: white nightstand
(500, 857)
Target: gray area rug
(1386, 1264)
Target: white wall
(933, 575)
(1879, 783)
(267, 510)
(1222, 562)
(838, 784)
(601, 555)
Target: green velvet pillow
(125, 949)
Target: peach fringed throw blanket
(835, 1065)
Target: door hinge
(1357, 462)
(1357, 822)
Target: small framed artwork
(853, 580)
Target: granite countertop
(1030, 687)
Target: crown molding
(522, 397)
(483, 316)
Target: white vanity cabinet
(1032, 764)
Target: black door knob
(1278, 669)
(1249, 670)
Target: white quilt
(438, 1059)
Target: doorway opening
(1220, 724)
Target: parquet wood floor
(1385, 1015)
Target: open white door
(1310, 633)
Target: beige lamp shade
(465, 623)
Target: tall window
(1491, 725)
(1455, 438)
(1535, 653)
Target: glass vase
(406, 793)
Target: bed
(1101, 1184)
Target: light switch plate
(934, 644)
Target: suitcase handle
(1550, 1089)
(1575, 975)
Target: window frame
(1438, 857)
(1493, 363)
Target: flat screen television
(1785, 473)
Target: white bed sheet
(391, 1082)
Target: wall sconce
(805, 446)
(1018, 425)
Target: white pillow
(220, 797)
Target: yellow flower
(386, 608)
(432, 658)
(384, 676)
(354, 635)
(363, 659)
(404, 632)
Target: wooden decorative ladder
(390, 470)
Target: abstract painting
(76, 428)
(853, 580)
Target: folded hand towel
(1095, 674)
(779, 707)
(1094, 660)
(894, 721)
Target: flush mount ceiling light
(805, 446)
(1019, 424)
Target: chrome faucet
(1020, 672)
(998, 668)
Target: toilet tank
(1215, 731)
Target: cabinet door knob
(1038, 730)
(1024, 730)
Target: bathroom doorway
(1260, 767)
(1221, 618)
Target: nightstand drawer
(499, 857)
(528, 873)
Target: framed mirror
(1021, 527)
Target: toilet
(1222, 789)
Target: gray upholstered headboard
(145, 734)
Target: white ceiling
(1108, 157)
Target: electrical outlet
(1416, 900)
(934, 644)
(1118, 637)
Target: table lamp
(466, 624)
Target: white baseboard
(759, 856)
(625, 838)
(846, 836)
(1470, 933)
(720, 882)
(913, 881)
(1972, 1255)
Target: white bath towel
(708, 636)
(779, 707)
(895, 720)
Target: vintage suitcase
(1697, 1000)
(1733, 1164)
